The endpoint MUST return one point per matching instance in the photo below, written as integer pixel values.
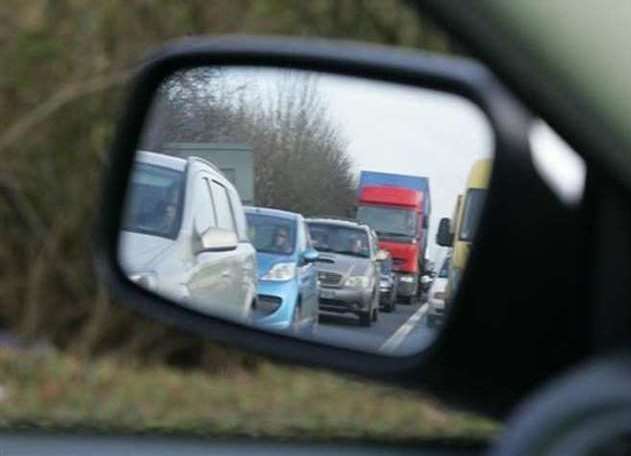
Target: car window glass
(270, 234)
(203, 206)
(339, 239)
(238, 215)
(472, 209)
(223, 209)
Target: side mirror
(310, 255)
(444, 237)
(382, 255)
(151, 155)
(218, 240)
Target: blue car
(287, 285)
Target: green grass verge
(57, 391)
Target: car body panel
(334, 269)
(301, 290)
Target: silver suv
(348, 269)
(184, 236)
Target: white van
(184, 236)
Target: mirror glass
(326, 207)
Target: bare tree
(301, 159)
(301, 162)
(191, 106)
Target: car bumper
(406, 288)
(281, 318)
(344, 300)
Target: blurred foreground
(57, 391)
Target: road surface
(399, 333)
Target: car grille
(329, 278)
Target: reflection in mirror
(300, 202)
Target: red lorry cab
(396, 214)
(392, 196)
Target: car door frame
(307, 275)
(206, 263)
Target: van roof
(170, 161)
(166, 161)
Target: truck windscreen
(472, 210)
(388, 221)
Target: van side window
(213, 221)
(225, 219)
(203, 210)
(239, 216)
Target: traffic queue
(187, 235)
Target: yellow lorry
(459, 231)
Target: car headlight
(357, 282)
(407, 278)
(147, 280)
(281, 272)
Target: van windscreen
(154, 205)
(472, 211)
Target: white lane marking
(400, 334)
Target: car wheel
(364, 318)
(375, 305)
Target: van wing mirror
(310, 255)
(444, 237)
(218, 240)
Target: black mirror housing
(444, 236)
